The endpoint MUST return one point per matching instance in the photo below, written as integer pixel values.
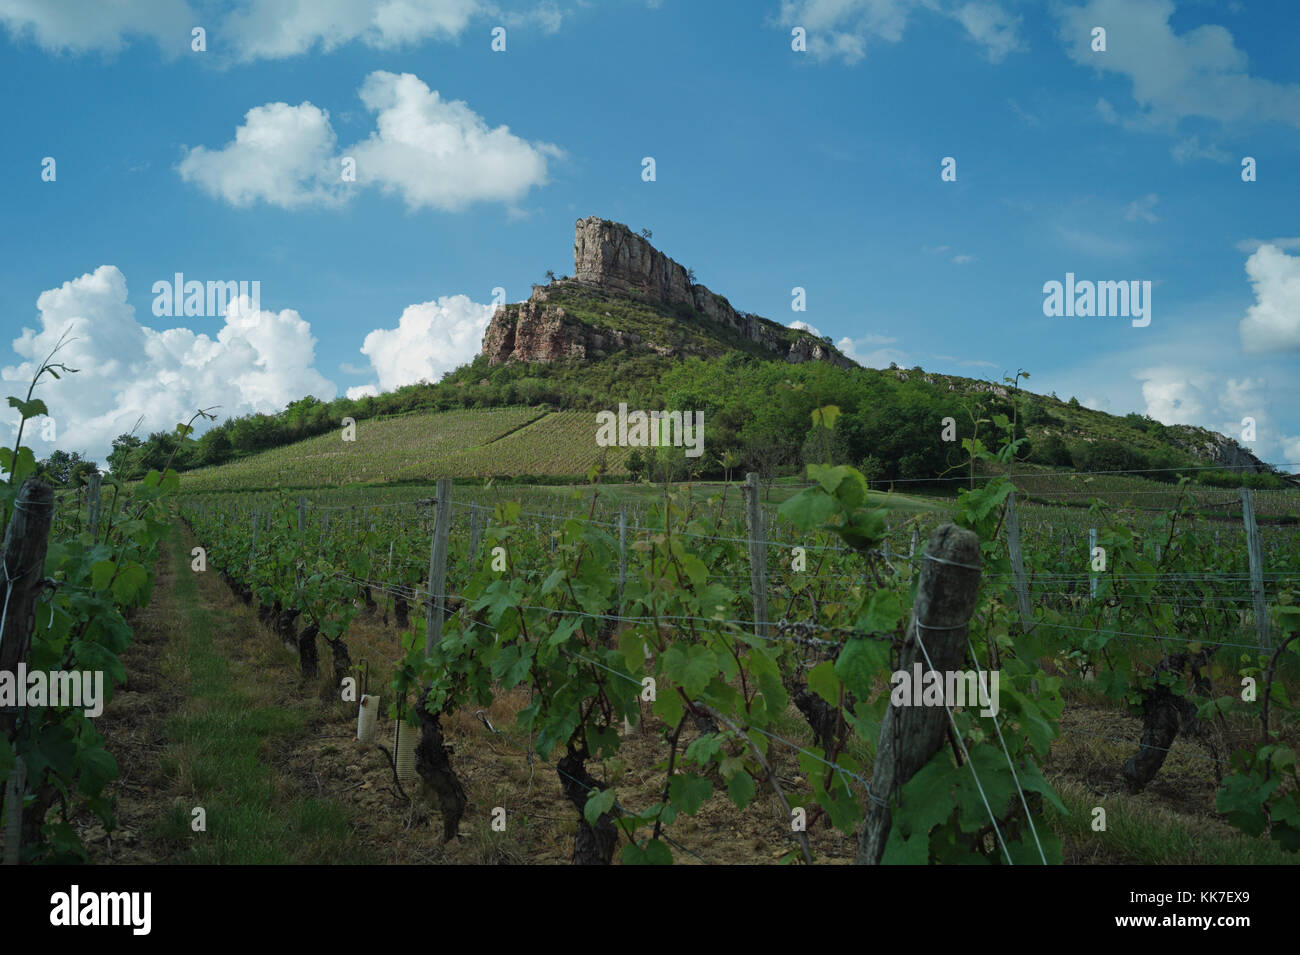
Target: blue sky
(775, 168)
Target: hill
(631, 326)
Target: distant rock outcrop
(1220, 449)
(608, 256)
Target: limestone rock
(609, 256)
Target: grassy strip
(219, 742)
(1137, 832)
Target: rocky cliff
(608, 258)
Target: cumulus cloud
(842, 29)
(1291, 452)
(431, 339)
(440, 153)
(280, 28)
(262, 29)
(862, 351)
(805, 327)
(1198, 73)
(430, 151)
(991, 27)
(80, 26)
(282, 155)
(259, 361)
(1177, 394)
(1272, 324)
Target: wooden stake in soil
(910, 735)
(757, 552)
(432, 760)
(22, 571)
(1018, 564)
(1256, 568)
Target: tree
(119, 457)
(635, 464)
(730, 460)
(647, 234)
(550, 275)
(67, 470)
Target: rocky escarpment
(610, 258)
(1220, 449)
(536, 331)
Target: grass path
(210, 709)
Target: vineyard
(696, 658)
(414, 447)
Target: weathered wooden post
(1256, 569)
(757, 552)
(936, 639)
(1018, 564)
(23, 564)
(95, 499)
(622, 554)
(432, 760)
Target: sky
(385, 170)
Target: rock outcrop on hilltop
(609, 257)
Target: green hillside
(422, 447)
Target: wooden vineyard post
(475, 532)
(94, 499)
(1092, 546)
(622, 554)
(910, 735)
(757, 552)
(432, 760)
(23, 563)
(1018, 564)
(1256, 569)
(437, 596)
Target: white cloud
(1250, 245)
(1186, 150)
(430, 339)
(963, 259)
(282, 155)
(1272, 324)
(430, 151)
(804, 326)
(991, 27)
(842, 29)
(1175, 395)
(363, 391)
(79, 26)
(1291, 452)
(1182, 394)
(258, 361)
(261, 29)
(857, 349)
(1198, 73)
(280, 28)
(1142, 209)
(440, 153)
